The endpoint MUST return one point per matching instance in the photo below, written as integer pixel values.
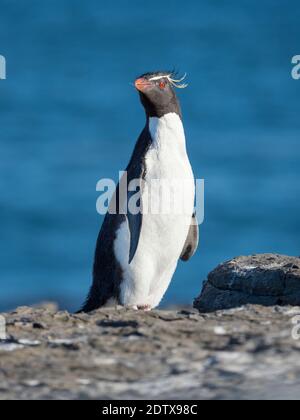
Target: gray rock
(266, 279)
(114, 354)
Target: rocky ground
(244, 353)
(223, 349)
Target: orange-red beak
(142, 84)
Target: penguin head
(157, 93)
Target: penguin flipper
(134, 214)
(192, 240)
(135, 225)
(136, 171)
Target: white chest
(169, 176)
(170, 190)
(167, 157)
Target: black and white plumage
(137, 255)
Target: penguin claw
(145, 308)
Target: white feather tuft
(174, 82)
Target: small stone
(104, 361)
(9, 347)
(293, 311)
(29, 343)
(32, 383)
(62, 316)
(220, 331)
(66, 343)
(84, 382)
(38, 326)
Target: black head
(157, 93)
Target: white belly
(163, 236)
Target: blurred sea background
(69, 116)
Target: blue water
(69, 116)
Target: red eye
(162, 85)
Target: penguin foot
(145, 308)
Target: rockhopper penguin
(137, 254)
